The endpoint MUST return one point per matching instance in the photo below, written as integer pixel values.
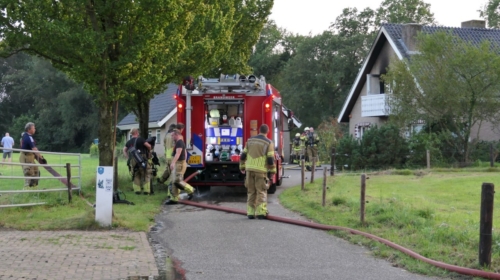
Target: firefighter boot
(261, 211)
(189, 190)
(250, 212)
(147, 188)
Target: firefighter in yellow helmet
(256, 161)
(298, 149)
(312, 147)
(303, 139)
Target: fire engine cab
(220, 114)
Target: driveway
(196, 243)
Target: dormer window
(374, 85)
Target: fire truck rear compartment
(217, 173)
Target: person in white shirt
(7, 144)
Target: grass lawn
(434, 214)
(58, 213)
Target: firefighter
(136, 150)
(257, 160)
(179, 166)
(312, 141)
(168, 143)
(303, 138)
(153, 161)
(28, 143)
(298, 149)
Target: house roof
(161, 107)
(393, 34)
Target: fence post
(428, 159)
(313, 168)
(290, 154)
(302, 169)
(332, 163)
(324, 187)
(115, 173)
(68, 178)
(486, 224)
(492, 161)
(362, 198)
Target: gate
(59, 166)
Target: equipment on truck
(220, 115)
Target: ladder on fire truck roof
(232, 83)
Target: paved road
(208, 244)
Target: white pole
(188, 119)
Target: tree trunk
(105, 133)
(141, 111)
(144, 119)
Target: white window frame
(158, 136)
(360, 129)
(373, 85)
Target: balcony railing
(374, 105)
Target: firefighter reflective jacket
(298, 144)
(168, 143)
(258, 155)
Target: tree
(63, 112)
(404, 11)
(116, 47)
(325, 66)
(491, 12)
(451, 83)
(208, 48)
(275, 47)
(13, 101)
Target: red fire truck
(220, 115)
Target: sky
(315, 16)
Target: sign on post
(104, 195)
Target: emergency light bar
(231, 83)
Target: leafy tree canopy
(451, 82)
(118, 48)
(404, 11)
(491, 12)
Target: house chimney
(474, 24)
(410, 32)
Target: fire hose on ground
(449, 267)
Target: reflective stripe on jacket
(168, 142)
(259, 152)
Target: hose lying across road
(449, 267)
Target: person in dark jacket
(137, 151)
(28, 156)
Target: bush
(418, 144)
(379, 148)
(328, 131)
(384, 147)
(481, 151)
(94, 150)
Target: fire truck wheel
(272, 189)
(282, 173)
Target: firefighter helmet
(306, 129)
(297, 135)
